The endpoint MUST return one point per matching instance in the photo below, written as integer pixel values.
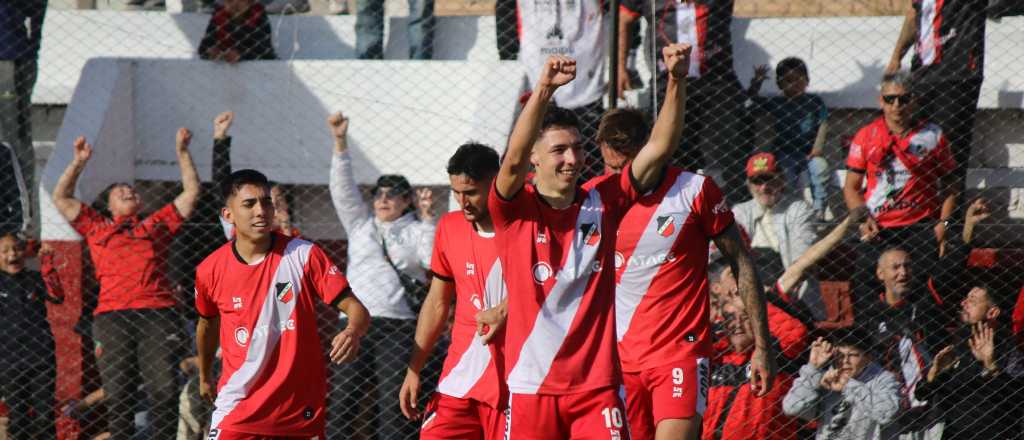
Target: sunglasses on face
(903, 99)
(389, 193)
(762, 179)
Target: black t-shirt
(950, 41)
(706, 22)
(25, 336)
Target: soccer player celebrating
(256, 296)
(556, 243)
(465, 265)
(661, 300)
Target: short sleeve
(944, 156)
(856, 159)
(167, 216)
(325, 278)
(87, 219)
(206, 306)
(630, 8)
(439, 264)
(504, 211)
(713, 211)
(619, 191)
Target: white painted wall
(845, 55)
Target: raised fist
(338, 124)
(558, 71)
(677, 59)
(182, 140)
(83, 151)
(222, 123)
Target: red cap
(761, 163)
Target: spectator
(14, 208)
(21, 30)
(716, 120)
(238, 31)
(801, 124)
(978, 398)
(573, 28)
(505, 28)
(388, 253)
(733, 410)
(781, 225)
(986, 305)
(135, 325)
(948, 66)
(28, 366)
(853, 399)
(370, 29)
(908, 194)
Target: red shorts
(589, 415)
(448, 417)
(231, 435)
(674, 391)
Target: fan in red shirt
(556, 245)
(135, 324)
(471, 390)
(661, 297)
(255, 297)
(910, 192)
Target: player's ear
(225, 213)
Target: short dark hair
(474, 160)
(558, 117)
(241, 178)
(997, 297)
(102, 202)
(856, 337)
(396, 182)
(624, 129)
(791, 64)
(18, 240)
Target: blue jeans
(813, 170)
(370, 29)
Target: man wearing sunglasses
(910, 192)
(779, 224)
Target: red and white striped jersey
(661, 258)
(273, 381)
(469, 258)
(560, 333)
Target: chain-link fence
(798, 110)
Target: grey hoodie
(867, 403)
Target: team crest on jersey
(241, 336)
(284, 291)
(666, 226)
(542, 272)
(591, 233)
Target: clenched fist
(558, 71)
(677, 59)
(222, 123)
(83, 151)
(182, 140)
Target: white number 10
(612, 417)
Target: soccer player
(256, 296)
(661, 299)
(556, 242)
(471, 388)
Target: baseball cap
(761, 163)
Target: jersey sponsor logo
(236, 302)
(241, 336)
(475, 300)
(619, 260)
(542, 238)
(284, 291)
(591, 233)
(542, 272)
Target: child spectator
(28, 366)
(801, 123)
(238, 31)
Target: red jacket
(747, 416)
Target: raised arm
(762, 362)
(794, 274)
(905, 40)
(222, 147)
(557, 71)
(64, 192)
(622, 46)
(186, 201)
(432, 321)
(649, 164)
(348, 200)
